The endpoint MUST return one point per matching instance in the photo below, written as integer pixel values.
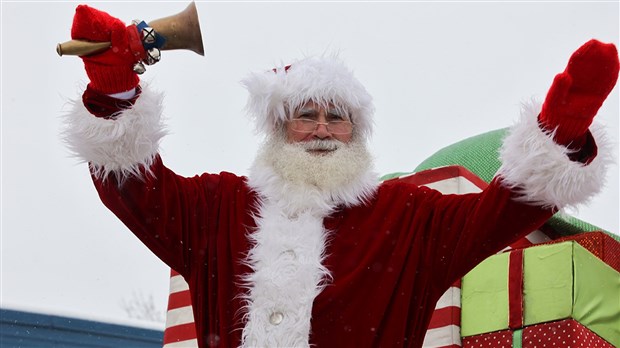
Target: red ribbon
(515, 289)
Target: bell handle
(81, 47)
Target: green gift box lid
(560, 281)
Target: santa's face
(318, 148)
(314, 122)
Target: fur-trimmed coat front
(387, 261)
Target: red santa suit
(273, 264)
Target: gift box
(566, 333)
(604, 246)
(542, 284)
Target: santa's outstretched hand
(577, 93)
(111, 71)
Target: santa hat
(320, 79)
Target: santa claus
(310, 249)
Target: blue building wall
(24, 329)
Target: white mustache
(324, 145)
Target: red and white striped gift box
(180, 329)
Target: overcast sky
(439, 73)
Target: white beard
(329, 172)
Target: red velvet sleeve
(172, 215)
(466, 229)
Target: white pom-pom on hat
(319, 79)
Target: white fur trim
(321, 79)
(540, 170)
(287, 276)
(123, 145)
(287, 253)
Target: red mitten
(577, 93)
(112, 70)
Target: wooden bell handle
(81, 47)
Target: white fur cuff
(540, 170)
(121, 146)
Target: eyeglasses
(305, 125)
